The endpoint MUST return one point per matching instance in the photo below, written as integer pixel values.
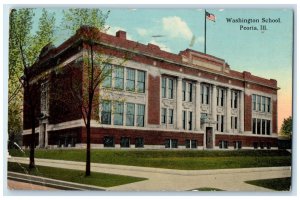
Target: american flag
(210, 16)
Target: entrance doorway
(209, 138)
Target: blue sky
(263, 53)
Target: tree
(24, 48)
(94, 73)
(287, 127)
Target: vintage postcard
(161, 100)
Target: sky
(265, 53)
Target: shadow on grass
(278, 184)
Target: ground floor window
(125, 142)
(237, 144)
(139, 142)
(191, 144)
(171, 143)
(223, 144)
(109, 141)
(255, 145)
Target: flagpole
(205, 31)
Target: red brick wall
(150, 137)
(247, 141)
(153, 99)
(54, 136)
(248, 113)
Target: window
(119, 77)
(234, 99)
(163, 115)
(190, 92)
(139, 142)
(223, 144)
(253, 102)
(258, 126)
(258, 103)
(106, 112)
(262, 145)
(268, 127)
(171, 143)
(130, 112)
(184, 119)
(171, 87)
(170, 121)
(253, 125)
(164, 87)
(263, 104)
(183, 90)
(118, 113)
(44, 97)
(235, 122)
(255, 145)
(237, 144)
(204, 94)
(220, 97)
(191, 144)
(263, 127)
(107, 69)
(140, 118)
(108, 141)
(268, 104)
(220, 123)
(130, 80)
(125, 142)
(190, 120)
(141, 81)
(203, 117)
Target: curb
(58, 184)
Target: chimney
(121, 34)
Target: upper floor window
(106, 112)
(118, 113)
(183, 90)
(171, 88)
(234, 99)
(204, 94)
(220, 123)
(45, 97)
(171, 113)
(164, 87)
(220, 97)
(261, 103)
(163, 115)
(190, 92)
(130, 80)
(119, 77)
(141, 81)
(107, 73)
(130, 111)
(190, 122)
(140, 118)
(167, 88)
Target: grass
(175, 159)
(207, 189)
(76, 176)
(279, 184)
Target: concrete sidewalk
(175, 180)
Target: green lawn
(76, 176)
(174, 159)
(279, 184)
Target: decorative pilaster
(214, 103)
(179, 103)
(242, 111)
(198, 112)
(228, 110)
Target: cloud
(175, 27)
(161, 46)
(142, 31)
